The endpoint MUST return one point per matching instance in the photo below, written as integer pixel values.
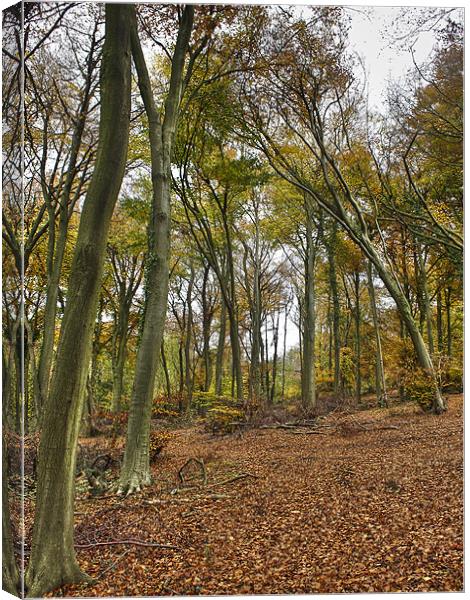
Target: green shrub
(158, 441)
(419, 388)
(223, 419)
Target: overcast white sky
(373, 30)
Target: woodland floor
(357, 509)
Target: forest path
(377, 510)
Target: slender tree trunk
(440, 336)
(181, 370)
(219, 362)
(50, 310)
(266, 360)
(336, 316)
(380, 386)
(119, 355)
(255, 367)
(425, 302)
(206, 332)
(357, 318)
(88, 429)
(52, 559)
(135, 471)
(165, 370)
(188, 380)
(448, 294)
(275, 344)
(308, 329)
(284, 353)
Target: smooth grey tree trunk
(308, 386)
(119, 355)
(135, 471)
(219, 362)
(380, 385)
(336, 312)
(357, 319)
(188, 379)
(52, 559)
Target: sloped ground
(359, 508)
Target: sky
(372, 35)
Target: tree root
(43, 581)
(133, 485)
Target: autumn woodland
(232, 314)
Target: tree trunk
(206, 332)
(336, 316)
(404, 309)
(119, 355)
(219, 362)
(188, 380)
(255, 367)
(448, 294)
(380, 386)
(52, 560)
(357, 318)
(165, 370)
(440, 336)
(284, 352)
(10, 574)
(308, 313)
(425, 302)
(135, 471)
(275, 344)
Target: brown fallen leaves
(379, 510)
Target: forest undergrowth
(372, 502)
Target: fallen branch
(128, 542)
(197, 461)
(232, 479)
(312, 432)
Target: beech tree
(311, 97)
(135, 471)
(52, 561)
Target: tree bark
(357, 318)
(119, 354)
(440, 336)
(284, 353)
(380, 386)
(336, 316)
(219, 362)
(274, 372)
(52, 560)
(135, 471)
(165, 370)
(207, 313)
(10, 573)
(448, 294)
(308, 330)
(188, 379)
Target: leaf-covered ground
(360, 507)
